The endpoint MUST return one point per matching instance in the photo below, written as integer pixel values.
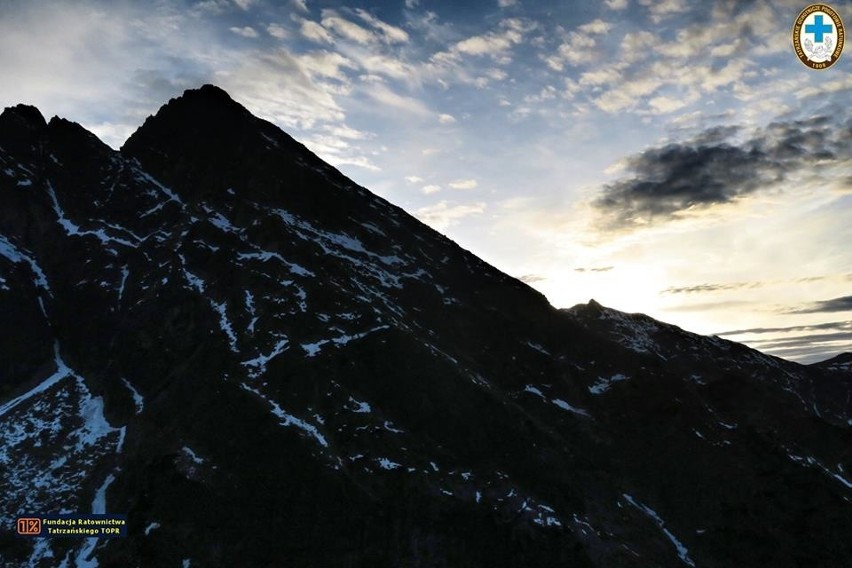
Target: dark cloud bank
(806, 343)
(843, 304)
(711, 169)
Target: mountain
(261, 363)
(841, 362)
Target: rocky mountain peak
(21, 127)
(22, 115)
(206, 126)
(213, 330)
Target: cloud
(430, 189)
(531, 278)
(802, 341)
(595, 27)
(211, 6)
(296, 92)
(443, 214)
(616, 4)
(666, 104)
(390, 34)
(446, 119)
(413, 179)
(835, 326)
(246, 31)
(637, 45)
(650, 61)
(664, 182)
(595, 269)
(843, 304)
(327, 64)
(495, 44)
(52, 55)
(577, 46)
(807, 351)
(704, 288)
(300, 5)
(463, 184)
(496, 74)
(806, 343)
(601, 76)
(390, 99)
(277, 31)
(112, 134)
(244, 4)
(314, 32)
(333, 145)
(574, 51)
(507, 3)
(331, 20)
(661, 9)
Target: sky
(667, 157)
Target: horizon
(713, 196)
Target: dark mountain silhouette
(263, 364)
(840, 362)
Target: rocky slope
(262, 363)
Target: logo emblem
(29, 527)
(818, 36)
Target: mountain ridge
(232, 335)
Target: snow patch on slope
(11, 252)
(603, 384)
(682, 551)
(313, 349)
(565, 406)
(289, 419)
(59, 413)
(257, 366)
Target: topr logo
(818, 36)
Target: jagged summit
(27, 115)
(21, 126)
(209, 109)
(206, 126)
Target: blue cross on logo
(818, 28)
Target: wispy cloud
(835, 326)
(660, 9)
(616, 4)
(577, 46)
(277, 31)
(245, 31)
(495, 44)
(388, 33)
(463, 184)
(445, 214)
(704, 288)
(842, 304)
(344, 28)
(211, 6)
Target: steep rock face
(217, 332)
